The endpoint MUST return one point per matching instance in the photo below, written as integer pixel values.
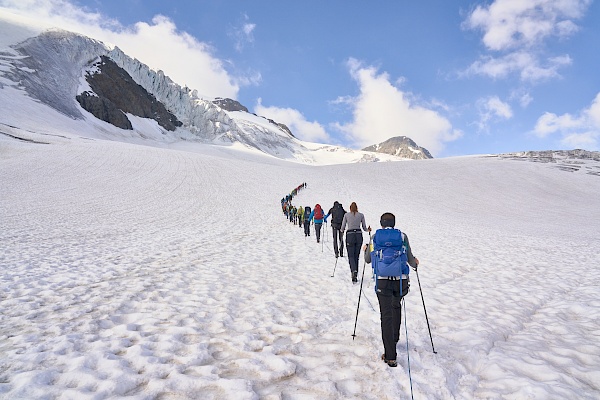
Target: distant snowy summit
(401, 146)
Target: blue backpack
(388, 257)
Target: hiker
(337, 213)
(392, 286)
(300, 215)
(317, 217)
(307, 215)
(354, 220)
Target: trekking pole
(359, 293)
(425, 310)
(407, 353)
(336, 260)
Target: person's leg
(396, 317)
(387, 315)
(335, 241)
(318, 232)
(359, 242)
(349, 251)
(341, 243)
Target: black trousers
(318, 231)
(390, 297)
(337, 235)
(306, 227)
(354, 241)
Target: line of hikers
(352, 223)
(388, 252)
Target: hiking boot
(341, 254)
(390, 363)
(354, 277)
(336, 256)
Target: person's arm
(363, 223)
(412, 260)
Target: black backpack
(337, 216)
(307, 212)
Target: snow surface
(147, 272)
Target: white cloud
(158, 44)
(522, 96)
(492, 109)
(243, 34)
(510, 24)
(298, 124)
(582, 130)
(382, 111)
(525, 64)
(517, 30)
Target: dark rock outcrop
(104, 109)
(229, 104)
(116, 90)
(285, 128)
(401, 146)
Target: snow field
(146, 273)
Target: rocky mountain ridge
(576, 160)
(72, 74)
(401, 146)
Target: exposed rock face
(51, 66)
(229, 104)
(116, 90)
(554, 155)
(401, 146)
(104, 109)
(282, 126)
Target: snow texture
(135, 264)
(147, 272)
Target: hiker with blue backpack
(354, 221)
(307, 212)
(390, 255)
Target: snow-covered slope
(140, 272)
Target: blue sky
(458, 77)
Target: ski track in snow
(148, 273)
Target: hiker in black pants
(390, 290)
(307, 212)
(337, 213)
(354, 221)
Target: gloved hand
(416, 264)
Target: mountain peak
(401, 146)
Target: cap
(387, 220)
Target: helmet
(387, 220)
